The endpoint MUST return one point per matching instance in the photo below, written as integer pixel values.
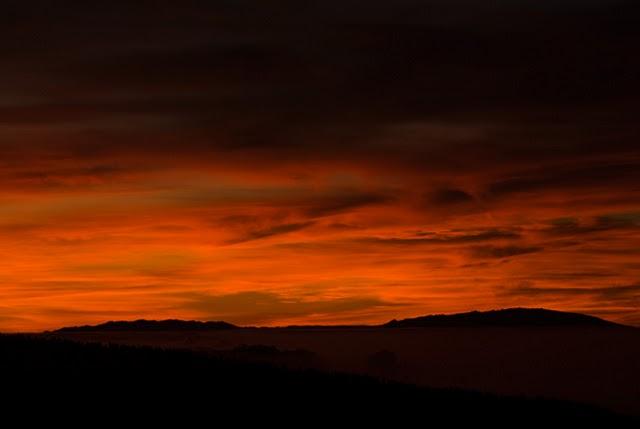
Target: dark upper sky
(461, 154)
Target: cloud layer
(341, 161)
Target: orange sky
(202, 162)
(327, 248)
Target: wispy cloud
(502, 251)
(272, 231)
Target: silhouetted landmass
(504, 317)
(508, 317)
(156, 383)
(591, 362)
(151, 325)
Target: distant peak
(151, 325)
(503, 317)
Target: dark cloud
(448, 197)
(572, 275)
(272, 231)
(567, 177)
(308, 204)
(612, 292)
(502, 251)
(231, 80)
(326, 205)
(265, 307)
(339, 226)
(306, 201)
(603, 223)
(448, 238)
(60, 176)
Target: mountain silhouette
(505, 317)
(520, 317)
(151, 325)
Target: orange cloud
(185, 164)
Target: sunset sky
(288, 162)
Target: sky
(287, 162)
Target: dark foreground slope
(510, 317)
(193, 384)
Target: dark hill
(151, 325)
(111, 381)
(507, 317)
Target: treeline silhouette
(192, 384)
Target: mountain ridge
(151, 325)
(507, 317)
